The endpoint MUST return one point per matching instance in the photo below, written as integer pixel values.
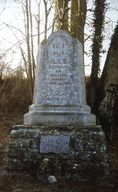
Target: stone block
(59, 94)
(58, 152)
(55, 144)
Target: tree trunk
(46, 19)
(110, 71)
(99, 15)
(61, 14)
(108, 106)
(28, 46)
(32, 46)
(78, 16)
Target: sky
(11, 14)
(110, 23)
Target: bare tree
(78, 16)
(29, 25)
(73, 20)
(99, 17)
(62, 14)
(47, 7)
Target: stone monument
(60, 97)
(59, 136)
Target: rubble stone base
(61, 151)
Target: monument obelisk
(59, 96)
(59, 136)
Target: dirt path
(24, 183)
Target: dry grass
(14, 102)
(14, 95)
(6, 122)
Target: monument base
(64, 151)
(59, 115)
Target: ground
(23, 182)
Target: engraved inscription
(57, 63)
(55, 144)
(60, 45)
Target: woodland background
(16, 85)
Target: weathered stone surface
(59, 96)
(52, 179)
(80, 152)
(59, 136)
(55, 144)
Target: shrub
(14, 94)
